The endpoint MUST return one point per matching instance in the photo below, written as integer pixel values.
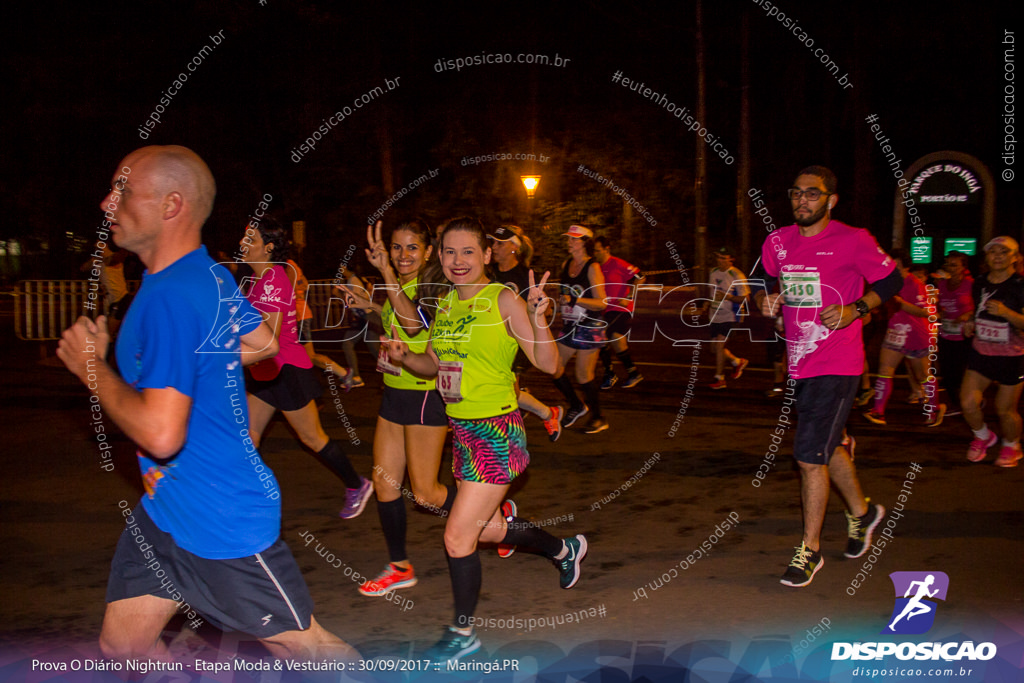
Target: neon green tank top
(476, 353)
(395, 376)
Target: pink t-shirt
(616, 274)
(815, 272)
(906, 331)
(953, 303)
(273, 294)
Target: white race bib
(572, 313)
(384, 363)
(801, 290)
(950, 328)
(896, 337)
(449, 381)
(992, 331)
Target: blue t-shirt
(215, 497)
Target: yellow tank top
(476, 352)
(394, 376)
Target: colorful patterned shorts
(491, 450)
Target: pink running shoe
(1008, 456)
(976, 453)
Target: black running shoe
(633, 379)
(574, 414)
(859, 529)
(802, 569)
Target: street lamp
(530, 182)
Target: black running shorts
(413, 407)
(262, 594)
(822, 406)
(292, 389)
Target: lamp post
(530, 182)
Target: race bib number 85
(449, 381)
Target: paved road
(650, 599)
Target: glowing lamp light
(530, 182)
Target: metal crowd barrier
(43, 309)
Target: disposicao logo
(912, 614)
(916, 593)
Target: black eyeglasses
(813, 194)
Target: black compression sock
(334, 457)
(564, 385)
(392, 522)
(606, 359)
(592, 392)
(450, 498)
(521, 532)
(466, 576)
(627, 360)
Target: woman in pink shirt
(287, 381)
(907, 337)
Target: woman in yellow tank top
(474, 337)
(411, 423)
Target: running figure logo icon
(914, 611)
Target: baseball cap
(1005, 241)
(724, 251)
(505, 233)
(579, 231)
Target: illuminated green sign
(965, 245)
(921, 249)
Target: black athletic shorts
(413, 407)
(720, 329)
(262, 594)
(292, 389)
(822, 406)
(1007, 370)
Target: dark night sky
(86, 77)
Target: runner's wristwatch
(862, 308)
